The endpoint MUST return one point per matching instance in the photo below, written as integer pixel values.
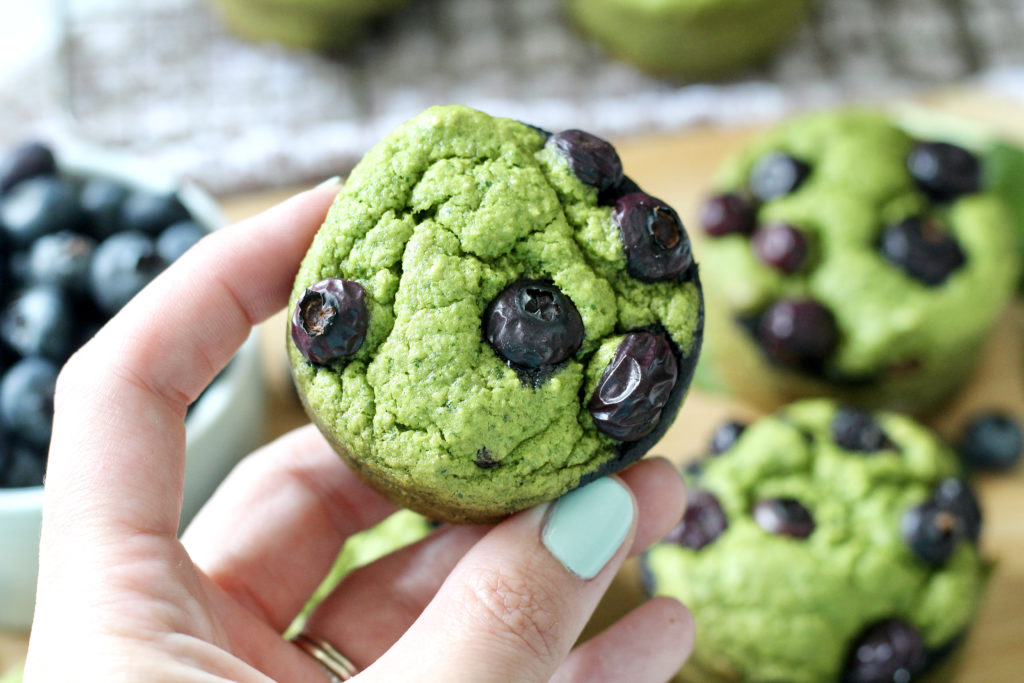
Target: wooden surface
(676, 168)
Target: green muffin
(824, 544)
(311, 24)
(394, 533)
(492, 315)
(692, 39)
(849, 259)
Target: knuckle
(525, 612)
(70, 379)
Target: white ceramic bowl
(224, 424)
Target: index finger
(117, 454)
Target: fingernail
(586, 526)
(330, 182)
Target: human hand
(121, 598)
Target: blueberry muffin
(851, 260)
(692, 39)
(824, 544)
(492, 315)
(311, 24)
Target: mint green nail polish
(587, 526)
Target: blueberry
(656, 244)
(101, 200)
(39, 206)
(610, 196)
(330, 320)
(726, 435)
(25, 161)
(593, 160)
(5, 275)
(992, 441)
(21, 466)
(532, 324)
(26, 400)
(798, 333)
(955, 495)
(485, 459)
(694, 468)
(39, 321)
(857, 430)
(890, 651)
(932, 532)
(728, 214)
(627, 402)
(922, 250)
(178, 238)
(944, 171)
(122, 265)
(784, 516)
(781, 246)
(703, 521)
(150, 213)
(777, 174)
(61, 259)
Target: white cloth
(162, 79)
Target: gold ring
(337, 665)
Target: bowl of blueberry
(80, 235)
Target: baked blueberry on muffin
(691, 39)
(491, 316)
(312, 24)
(826, 544)
(848, 259)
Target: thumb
(516, 603)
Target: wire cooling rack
(164, 79)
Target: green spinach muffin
(824, 544)
(492, 315)
(311, 24)
(692, 39)
(849, 259)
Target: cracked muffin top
(824, 543)
(492, 315)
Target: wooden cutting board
(676, 167)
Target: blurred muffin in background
(846, 258)
(825, 544)
(690, 39)
(310, 24)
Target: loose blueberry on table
(993, 442)
(72, 252)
